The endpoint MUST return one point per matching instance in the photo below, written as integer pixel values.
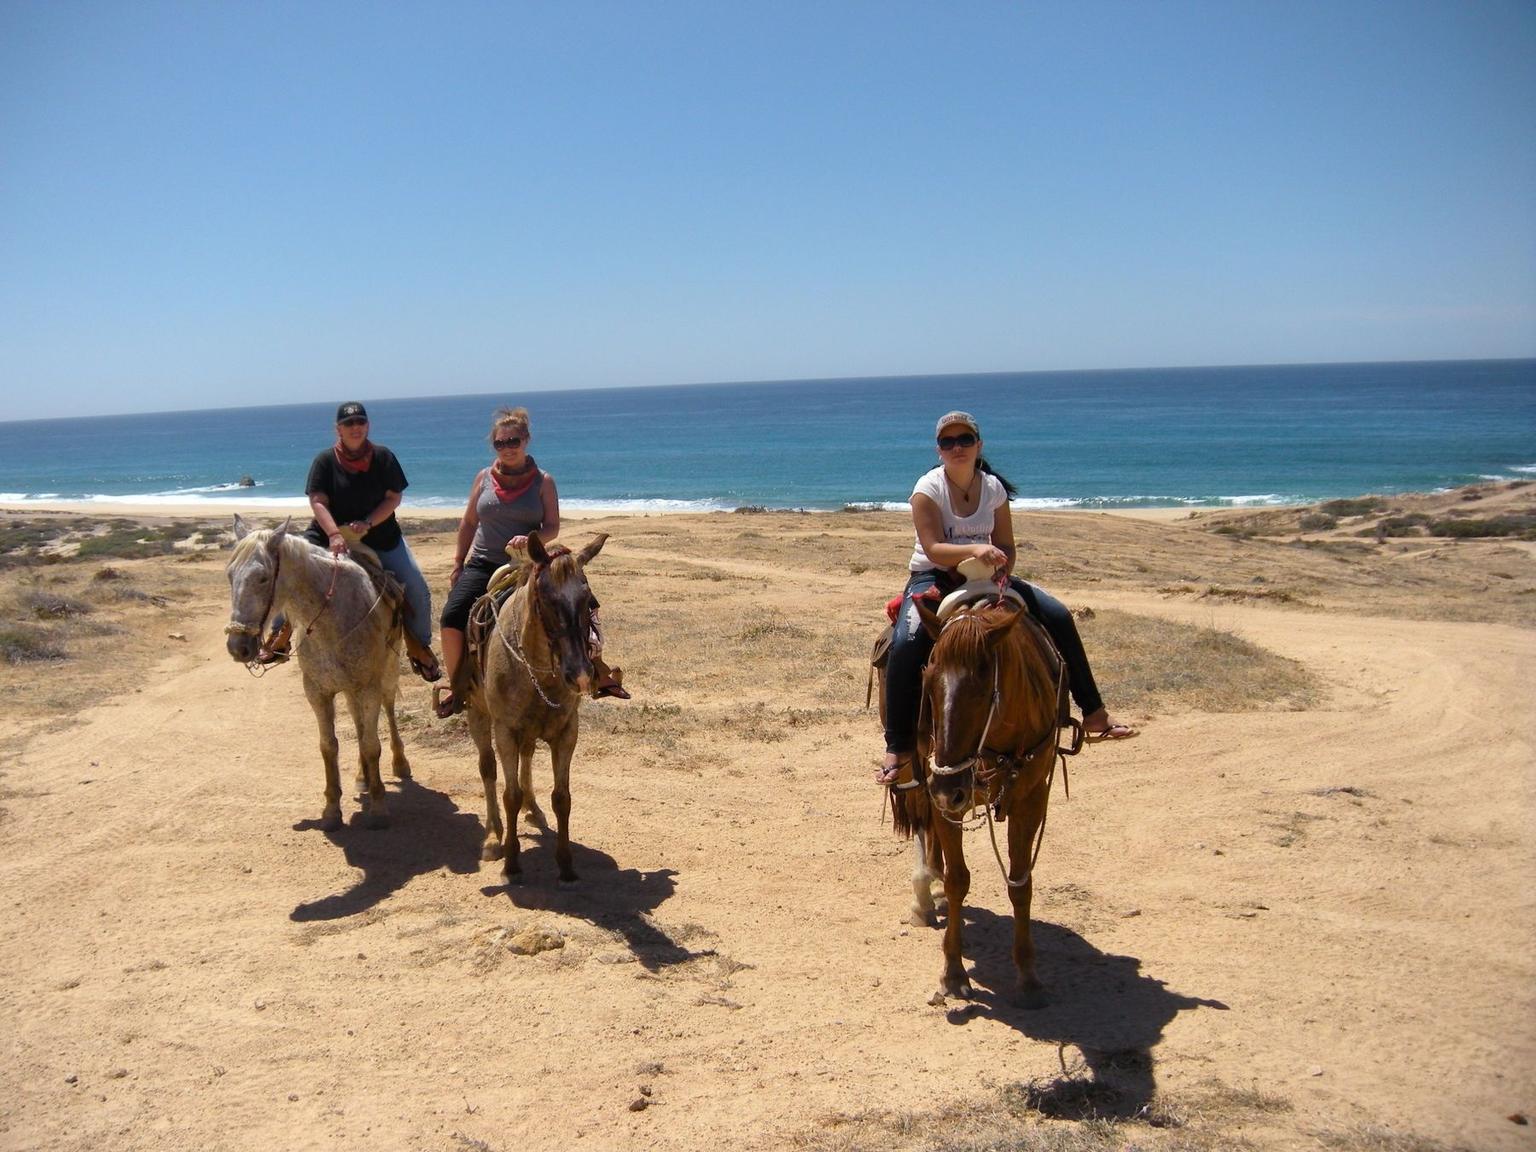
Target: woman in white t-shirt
(960, 510)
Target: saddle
(388, 587)
(974, 583)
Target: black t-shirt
(353, 495)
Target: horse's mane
(964, 639)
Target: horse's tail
(911, 811)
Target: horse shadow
(427, 831)
(1099, 1003)
(613, 899)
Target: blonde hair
(510, 417)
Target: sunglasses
(353, 421)
(964, 440)
(509, 442)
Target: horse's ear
(242, 529)
(999, 626)
(931, 623)
(592, 549)
(279, 533)
(536, 549)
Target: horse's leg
(525, 779)
(509, 749)
(957, 883)
(1024, 820)
(365, 715)
(398, 763)
(480, 732)
(927, 863)
(560, 799)
(324, 706)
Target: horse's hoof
(402, 771)
(511, 869)
(330, 821)
(571, 881)
(490, 850)
(922, 918)
(959, 989)
(1031, 996)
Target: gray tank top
(500, 522)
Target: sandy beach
(1295, 912)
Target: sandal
(446, 704)
(890, 774)
(610, 683)
(1113, 732)
(270, 656)
(431, 673)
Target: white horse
(349, 643)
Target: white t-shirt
(973, 529)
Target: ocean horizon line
(580, 390)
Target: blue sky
(210, 204)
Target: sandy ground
(1268, 928)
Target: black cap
(351, 410)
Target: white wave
(1527, 469)
(648, 505)
(1260, 500)
(209, 498)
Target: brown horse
(530, 669)
(992, 696)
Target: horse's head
(961, 695)
(252, 573)
(560, 595)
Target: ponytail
(982, 465)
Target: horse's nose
(241, 647)
(957, 799)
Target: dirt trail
(1332, 907)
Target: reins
(235, 628)
(1000, 769)
(532, 586)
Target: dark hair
(981, 463)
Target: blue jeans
(399, 562)
(911, 644)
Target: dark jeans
(911, 644)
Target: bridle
(995, 771)
(237, 628)
(536, 606)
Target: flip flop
(447, 704)
(269, 656)
(1113, 732)
(890, 774)
(431, 673)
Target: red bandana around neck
(509, 488)
(360, 461)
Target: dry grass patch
(1151, 665)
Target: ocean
(1158, 437)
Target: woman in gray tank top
(507, 501)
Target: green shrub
(1521, 525)
(20, 644)
(1357, 506)
(1317, 522)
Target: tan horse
(533, 669)
(349, 645)
(992, 695)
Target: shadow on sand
(606, 896)
(1099, 1003)
(427, 831)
